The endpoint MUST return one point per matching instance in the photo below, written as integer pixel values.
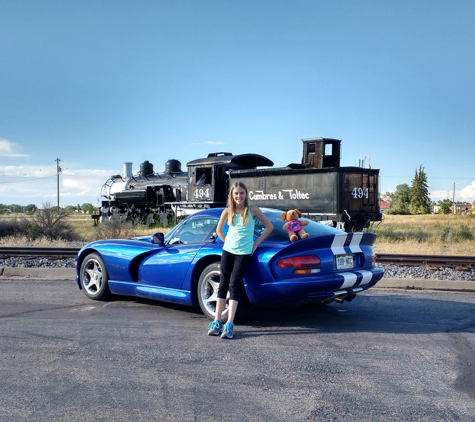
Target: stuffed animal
(294, 226)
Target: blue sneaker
(228, 331)
(215, 328)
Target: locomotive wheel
(151, 219)
(208, 292)
(94, 278)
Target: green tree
(49, 223)
(88, 208)
(400, 200)
(16, 208)
(444, 206)
(3, 208)
(420, 200)
(30, 209)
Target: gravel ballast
(390, 271)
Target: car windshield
(314, 229)
(198, 229)
(201, 229)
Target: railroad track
(55, 253)
(430, 261)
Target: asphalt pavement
(387, 283)
(390, 355)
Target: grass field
(435, 234)
(400, 234)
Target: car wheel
(94, 277)
(208, 291)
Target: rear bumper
(314, 289)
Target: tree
(444, 206)
(30, 209)
(49, 223)
(15, 208)
(88, 208)
(420, 200)
(400, 199)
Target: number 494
(360, 193)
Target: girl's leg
(226, 266)
(232, 308)
(241, 262)
(219, 308)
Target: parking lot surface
(387, 355)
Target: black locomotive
(344, 197)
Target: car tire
(207, 291)
(94, 278)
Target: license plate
(344, 261)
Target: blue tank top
(239, 239)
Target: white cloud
(26, 171)
(468, 193)
(25, 185)
(213, 143)
(438, 195)
(8, 149)
(83, 182)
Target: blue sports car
(183, 266)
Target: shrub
(49, 223)
(114, 229)
(463, 233)
(446, 235)
(11, 227)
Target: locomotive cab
(209, 177)
(319, 153)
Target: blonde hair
(232, 210)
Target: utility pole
(58, 171)
(453, 197)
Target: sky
(87, 85)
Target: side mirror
(158, 239)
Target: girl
(237, 251)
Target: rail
(431, 261)
(56, 253)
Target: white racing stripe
(367, 277)
(355, 242)
(349, 280)
(337, 244)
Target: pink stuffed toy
(294, 226)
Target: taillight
(299, 261)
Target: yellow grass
(399, 234)
(426, 234)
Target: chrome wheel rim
(209, 293)
(93, 276)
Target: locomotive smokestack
(127, 170)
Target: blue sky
(100, 82)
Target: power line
(28, 180)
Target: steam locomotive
(344, 197)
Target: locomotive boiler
(344, 197)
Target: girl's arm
(256, 212)
(221, 223)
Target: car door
(169, 267)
